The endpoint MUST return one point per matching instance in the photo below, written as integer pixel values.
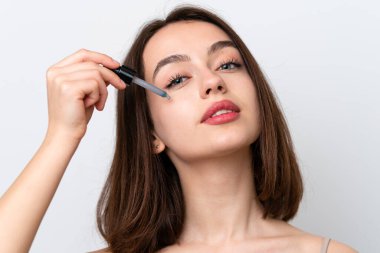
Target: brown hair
(141, 208)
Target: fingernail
(115, 61)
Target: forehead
(183, 37)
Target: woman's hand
(75, 86)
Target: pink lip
(223, 118)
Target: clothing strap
(325, 244)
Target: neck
(220, 199)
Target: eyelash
(178, 76)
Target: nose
(212, 84)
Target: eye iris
(227, 66)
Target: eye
(231, 64)
(176, 80)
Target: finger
(86, 91)
(84, 55)
(89, 90)
(82, 76)
(98, 96)
(103, 94)
(107, 75)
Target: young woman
(210, 170)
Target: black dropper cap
(126, 74)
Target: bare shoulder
(309, 241)
(338, 247)
(106, 250)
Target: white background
(321, 58)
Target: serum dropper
(128, 75)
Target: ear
(158, 144)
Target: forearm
(75, 87)
(24, 204)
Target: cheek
(248, 96)
(254, 104)
(245, 92)
(173, 120)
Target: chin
(230, 144)
(233, 137)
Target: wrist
(67, 134)
(62, 137)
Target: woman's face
(202, 71)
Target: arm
(76, 86)
(23, 206)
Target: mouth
(221, 112)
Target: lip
(223, 118)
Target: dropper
(128, 75)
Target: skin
(80, 84)
(214, 161)
(223, 214)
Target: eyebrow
(177, 58)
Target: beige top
(325, 245)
